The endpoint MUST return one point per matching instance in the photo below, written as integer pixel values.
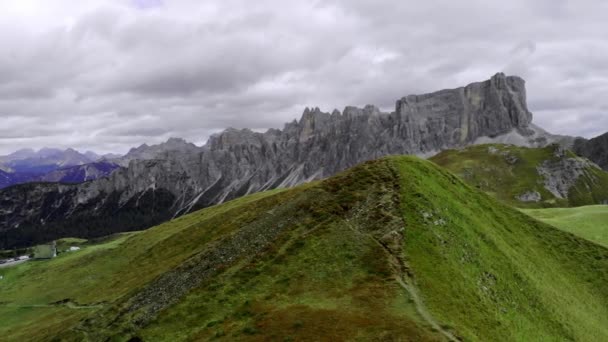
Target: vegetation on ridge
(589, 222)
(509, 172)
(392, 249)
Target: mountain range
(396, 249)
(322, 230)
(53, 165)
(595, 149)
(159, 182)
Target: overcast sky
(109, 75)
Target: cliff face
(595, 149)
(239, 162)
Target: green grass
(589, 222)
(506, 172)
(102, 273)
(65, 243)
(493, 273)
(395, 249)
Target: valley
(589, 222)
(332, 228)
(316, 261)
(323, 171)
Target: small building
(46, 251)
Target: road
(13, 263)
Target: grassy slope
(103, 273)
(492, 272)
(494, 174)
(324, 277)
(589, 222)
(483, 271)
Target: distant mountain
(595, 149)
(79, 173)
(146, 152)
(174, 178)
(396, 249)
(19, 154)
(8, 178)
(529, 177)
(92, 155)
(53, 165)
(45, 160)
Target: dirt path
(67, 304)
(13, 263)
(420, 307)
(405, 281)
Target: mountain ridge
(596, 149)
(398, 247)
(52, 165)
(528, 177)
(239, 162)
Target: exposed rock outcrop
(530, 196)
(595, 149)
(238, 162)
(146, 152)
(79, 173)
(562, 173)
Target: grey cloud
(114, 74)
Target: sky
(110, 75)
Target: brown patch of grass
(304, 323)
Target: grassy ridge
(102, 273)
(396, 249)
(589, 222)
(492, 272)
(319, 279)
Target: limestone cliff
(238, 162)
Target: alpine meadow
(178, 170)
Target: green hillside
(395, 249)
(520, 176)
(589, 222)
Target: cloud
(109, 75)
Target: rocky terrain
(79, 173)
(146, 152)
(10, 178)
(181, 177)
(44, 160)
(562, 173)
(396, 249)
(529, 177)
(53, 165)
(595, 149)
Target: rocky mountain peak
(236, 162)
(368, 110)
(596, 149)
(173, 141)
(233, 137)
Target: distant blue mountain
(28, 168)
(79, 173)
(8, 178)
(52, 165)
(43, 161)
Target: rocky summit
(181, 177)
